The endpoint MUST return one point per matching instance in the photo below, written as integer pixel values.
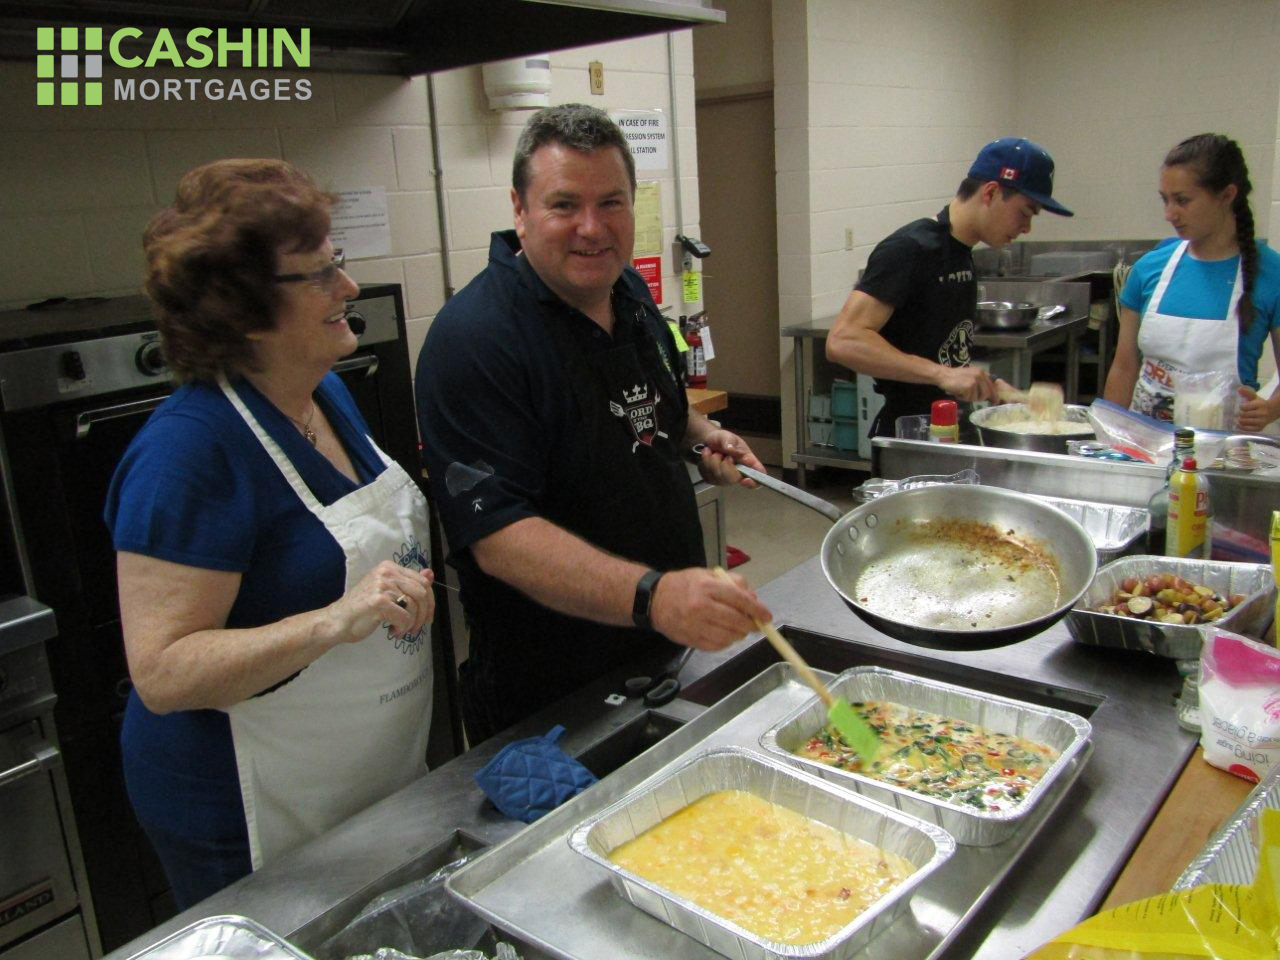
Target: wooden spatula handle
(787, 651)
(1010, 394)
(789, 654)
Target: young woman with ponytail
(1207, 301)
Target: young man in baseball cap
(909, 321)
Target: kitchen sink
(311, 937)
(835, 655)
(627, 742)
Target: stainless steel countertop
(1139, 752)
(24, 621)
(1033, 336)
(1075, 296)
(1040, 332)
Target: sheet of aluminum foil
(1113, 529)
(223, 938)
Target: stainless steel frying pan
(953, 566)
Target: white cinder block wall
(80, 184)
(1273, 221)
(1110, 86)
(477, 144)
(880, 105)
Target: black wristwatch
(644, 599)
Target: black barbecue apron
(629, 494)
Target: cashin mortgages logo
(69, 64)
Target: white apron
(351, 728)
(1172, 346)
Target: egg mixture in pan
(951, 760)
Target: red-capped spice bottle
(943, 425)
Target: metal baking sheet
(1064, 732)
(1231, 855)
(224, 938)
(1113, 529)
(1177, 641)
(534, 888)
(923, 845)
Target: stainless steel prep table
(1138, 753)
(810, 339)
(1043, 334)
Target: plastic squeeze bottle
(1189, 513)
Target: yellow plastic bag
(1221, 921)
(1275, 572)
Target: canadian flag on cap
(1008, 173)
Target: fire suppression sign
(650, 268)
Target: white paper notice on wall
(649, 136)
(360, 226)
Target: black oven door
(62, 459)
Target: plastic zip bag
(1205, 401)
(1218, 920)
(1145, 438)
(417, 919)
(1239, 704)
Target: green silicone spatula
(852, 728)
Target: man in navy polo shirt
(909, 321)
(554, 425)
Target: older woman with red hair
(272, 562)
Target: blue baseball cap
(1021, 165)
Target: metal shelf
(830, 457)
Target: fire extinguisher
(696, 358)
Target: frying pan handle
(828, 510)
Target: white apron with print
(1172, 346)
(351, 728)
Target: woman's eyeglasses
(325, 279)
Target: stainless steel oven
(44, 909)
(77, 380)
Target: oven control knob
(150, 360)
(73, 366)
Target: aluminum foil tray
(871, 489)
(1112, 529)
(1063, 731)
(1177, 641)
(224, 938)
(732, 768)
(1231, 855)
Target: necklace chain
(305, 427)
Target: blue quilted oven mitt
(531, 777)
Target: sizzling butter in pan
(959, 575)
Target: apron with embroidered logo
(351, 727)
(1172, 346)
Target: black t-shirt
(926, 275)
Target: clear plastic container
(912, 428)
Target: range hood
(375, 36)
